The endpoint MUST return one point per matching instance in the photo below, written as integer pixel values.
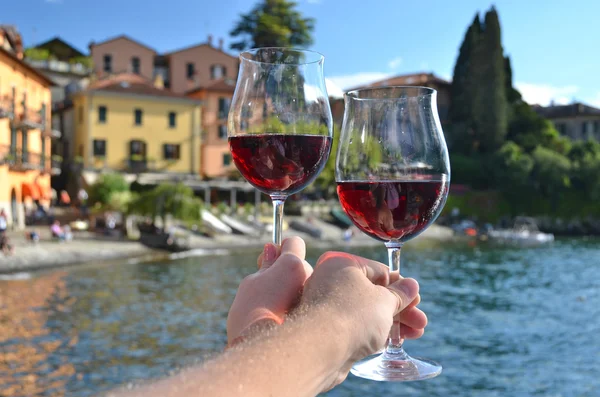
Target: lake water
(503, 322)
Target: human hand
(265, 297)
(362, 298)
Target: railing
(6, 106)
(59, 66)
(19, 160)
(137, 166)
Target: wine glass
(280, 124)
(392, 173)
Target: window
(171, 151)
(99, 147)
(217, 72)
(596, 126)
(172, 119)
(102, 114)
(223, 107)
(138, 116)
(137, 150)
(135, 65)
(561, 128)
(80, 114)
(226, 159)
(190, 71)
(223, 131)
(108, 63)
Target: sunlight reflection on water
(502, 322)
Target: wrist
(332, 334)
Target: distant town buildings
(125, 123)
(429, 80)
(25, 131)
(576, 121)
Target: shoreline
(48, 255)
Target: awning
(30, 190)
(45, 192)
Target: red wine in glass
(280, 163)
(393, 210)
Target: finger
(413, 317)
(404, 291)
(268, 257)
(411, 333)
(375, 271)
(295, 246)
(395, 276)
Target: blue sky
(553, 44)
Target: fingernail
(270, 252)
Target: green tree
(585, 162)
(273, 23)
(551, 173)
(514, 165)
(463, 90)
(177, 200)
(479, 110)
(325, 182)
(490, 106)
(107, 185)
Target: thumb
(405, 291)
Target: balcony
(75, 66)
(31, 119)
(6, 107)
(136, 166)
(19, 160)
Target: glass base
(388, 367)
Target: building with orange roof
(429, 80)
(126, 123)
(25, 131)
(216, 97)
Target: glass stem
(278, 202)
(395, 340)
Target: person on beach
(3, 221)
(5, 245)
(296, 331)
(56, 231)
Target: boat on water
(525, 231)
(238, 227)
(158, 238)
(214, 223)
(340, 219)
(307, 228)
(267, 221)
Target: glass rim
(422, 92)
(245, 55)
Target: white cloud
(594, 101)
(394, 63)
(348, 81)
(543, 94)
(333, 90)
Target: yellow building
(125, 123)
(25, 163)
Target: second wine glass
(393, 173)
(280, 124)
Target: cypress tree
(491, 105)
(463, 89)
